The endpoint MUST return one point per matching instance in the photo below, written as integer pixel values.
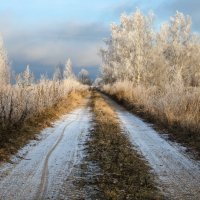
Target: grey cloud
(50, 44)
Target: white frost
(60, 147)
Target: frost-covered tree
(83, 76)
(136, 53)
(129, 49)
(180, 48)
(26, 78)
(97, 82)
(4, 65)
(57, 74)
(68, 71)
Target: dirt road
(40, 169)
(177, 174)
(43, 169)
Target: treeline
(158, 70)
(137, 53)
(28, 97)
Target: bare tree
(180, 48)
(57, 74)
(4, 65)
(129, 49)
(84, 76)
(68, 71)
(26, 78)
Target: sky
(44, 33)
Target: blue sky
(43, 33)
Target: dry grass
(21, 102)
(176, 109)
(13, 139)
(123, 174)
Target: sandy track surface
(40, 169)
(177, 174)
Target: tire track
(44, 179)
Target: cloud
(50, 44)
